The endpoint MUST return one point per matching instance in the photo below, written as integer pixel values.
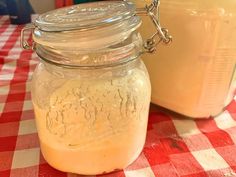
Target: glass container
(90, 91)
(195, 75)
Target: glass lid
(94, 26)
(85, 16)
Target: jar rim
(126, 51)
(84, 67)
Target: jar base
(89, 162)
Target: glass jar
(195, 75)
(91, 121)
(90, 91)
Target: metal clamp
(24, 43)
(149, 45)
(162, 33)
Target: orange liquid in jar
(94, 126)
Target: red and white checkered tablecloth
(175, 147)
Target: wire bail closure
(24, 43)
(149, 45)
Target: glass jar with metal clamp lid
(90, 91)
(196, 74)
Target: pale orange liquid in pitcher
(193, 75)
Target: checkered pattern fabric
(175, 147)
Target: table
(175, 146)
